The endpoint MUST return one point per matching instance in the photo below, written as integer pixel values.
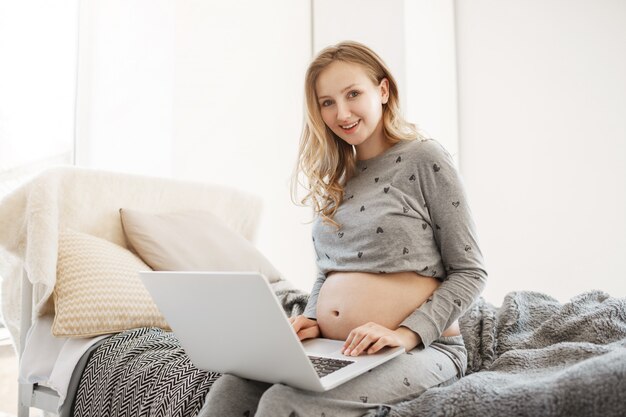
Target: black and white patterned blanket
(142, 372)
(145, 372)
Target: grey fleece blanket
(535, 357)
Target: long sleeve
(455, 234)
(310, 310)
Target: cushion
(192, 241)
(98, 290)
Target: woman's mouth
(349, 128)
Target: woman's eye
(353, 94)
(326, 103)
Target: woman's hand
(305, 327)
(372, 337)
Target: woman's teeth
(350, 126)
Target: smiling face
(351, 105)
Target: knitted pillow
(98, 290)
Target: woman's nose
(343, 113)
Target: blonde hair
(326, 160)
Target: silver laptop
(231, 322)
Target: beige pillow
(98, 290)
(192, 241)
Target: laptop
(231, 322)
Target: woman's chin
(351, 140)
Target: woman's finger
(348, 340)
(295, 325)
(298, 323)
(380, 343)
(309, 333)
(365, 342)
(356, 339)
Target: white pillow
(192, 241)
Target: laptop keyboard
(325, 366)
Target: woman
(396, 246)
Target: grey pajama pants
(403, 378)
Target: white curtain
(38, 44)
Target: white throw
(89, 200)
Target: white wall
(206, 91)
(377, 24)
(543, 128)
(126, 80)
(238, 98)
(212, 91)
(415, 38)
(430, 54)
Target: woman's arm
(310, 311)
(305, 325)
(455, 234)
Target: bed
(530, 356)
(35, 217)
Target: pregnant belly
(351, 299)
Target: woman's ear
(384, 90)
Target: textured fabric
(137, 372)
(404, 377)
(98, 290)
(88, 200)
(534, 356)
(406, 210)
(192, 241)
(142, 372)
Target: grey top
(406, 210)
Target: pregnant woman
(397, 251)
